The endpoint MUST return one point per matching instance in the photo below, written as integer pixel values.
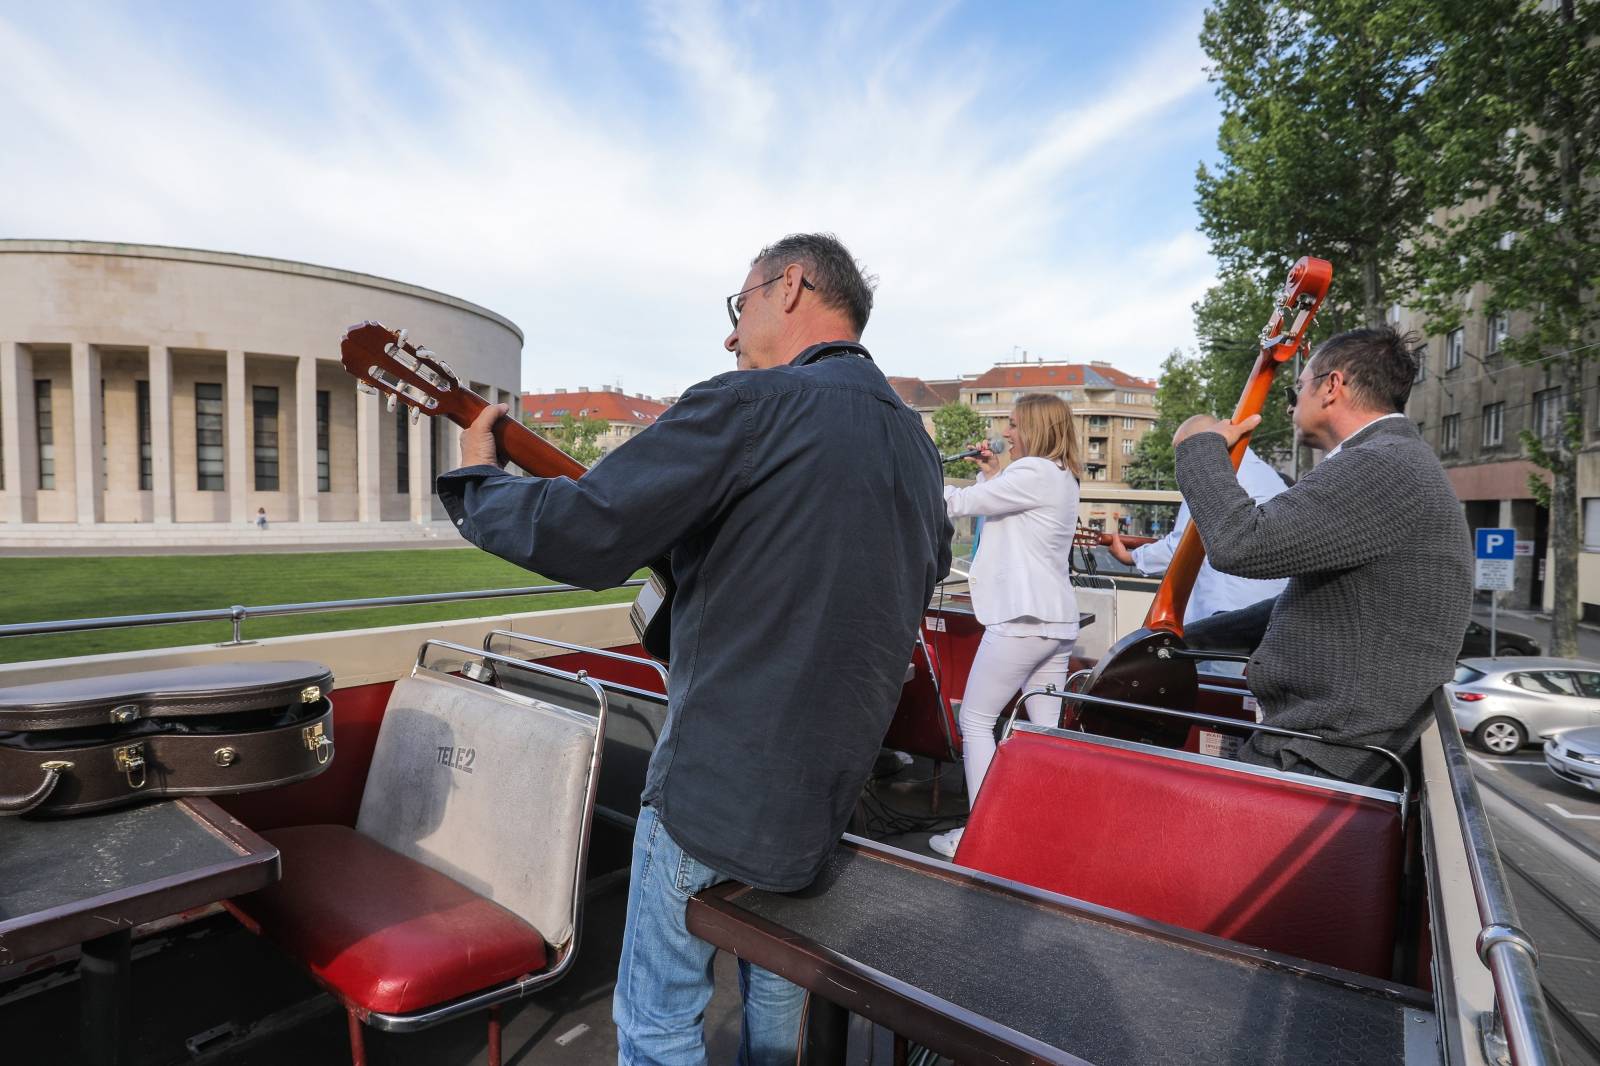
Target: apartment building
(1473, 404)
(625, 414)
(1113, 409)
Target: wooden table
(89, 880)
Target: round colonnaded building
(177, 388)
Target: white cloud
(609, 234)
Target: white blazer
(1023, 568)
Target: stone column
(235, 412)
(420, 488)
(369, 458)
(86, 433)
(163, 486)
(305, 400)
(21, 438)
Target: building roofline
(253, 262)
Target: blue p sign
(1495, 543)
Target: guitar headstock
(385, 362)
(1302, 293)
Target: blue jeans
(664, 978)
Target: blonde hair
(1045, 424)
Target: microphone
(996, 445)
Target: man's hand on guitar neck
(1223, 428)
(478, 446)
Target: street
(1538, 627)
(1548, 835)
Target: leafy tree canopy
(955, 427)
(577, 437)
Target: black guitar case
(89, 743)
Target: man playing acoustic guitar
(802, 505)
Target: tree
(1317, 96)
(1181, 393)
(1511, 157)
(576, 436)
(955, 427)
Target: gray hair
(839, 279)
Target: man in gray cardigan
(1376, 550)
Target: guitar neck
(516, 442)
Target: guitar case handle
(23, 804)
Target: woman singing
(1021, 588)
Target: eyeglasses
(1292, 393)
(736, 305)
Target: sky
(1019, 176)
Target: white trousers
(1003, 666)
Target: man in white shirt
(1214, 592)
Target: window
(1588, 683)
(1127, 447)
(1499, 330)
(402, 450)
(146, 478)
(1455, 343)
(105, 442)
(1099, 422)
(1546, 682)
(265, 402)
(1130, 397)
(1450, 433)
(208, 436)
(1130, 423)
(44, 425)
(983, 397)
(1493, 424)
(324, 477)
(1547, 413)
(1422, 366)
(1591, 524)
(1097, 473)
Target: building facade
(926, 396)
(1472, 404)
(624, 414)
(144, 384)
(1112, 409)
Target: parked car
(1476, 642)
(1574, 756)
(1502, 703)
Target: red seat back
(1294, 867)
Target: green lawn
(36, 590)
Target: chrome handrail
(237, 614)
(1505, 949)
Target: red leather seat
(386, 933)
(1297, 868)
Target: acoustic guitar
(385, 362)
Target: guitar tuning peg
(390, 402)
(424, 352)
(366, 387)
(399, 338)
(416, 415)
(448, 372)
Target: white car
(1574, 756)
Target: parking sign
(1495, 551)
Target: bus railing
(239, 614)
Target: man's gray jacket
(1379, 561)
